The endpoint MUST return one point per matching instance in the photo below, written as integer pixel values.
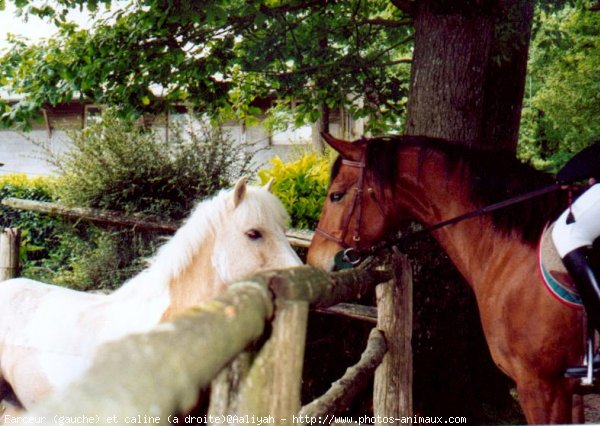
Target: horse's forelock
(261, 207)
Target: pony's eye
(336, 196)
(254, 234)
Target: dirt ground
(591, 405)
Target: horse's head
(251, 234)
(354, 214)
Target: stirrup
(590, 367)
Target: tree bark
(505, 82)
(468, 73)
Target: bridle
(351, 252)
(351, 255)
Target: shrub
(38, 231)
(91, 258)
(117, 166)
(301, 185)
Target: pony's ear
(269, 184)
(347, 150)
(239, 191)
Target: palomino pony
(49, 334)
(377, 183)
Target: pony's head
(238, 232)
(250, 236)
(355, 214)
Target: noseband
(351, 254)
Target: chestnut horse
(49, 334)
(378, 183)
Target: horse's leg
(578, 413)
(546, 401)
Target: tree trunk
(468, 72)
(467, 84)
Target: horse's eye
(254, 234)
(336, 196)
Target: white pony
(49, 334)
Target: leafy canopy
(562, 101)
(220, 56)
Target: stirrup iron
(590, 367)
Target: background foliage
(115, 165)
(301, 185)
(562, 102)
(112, 164)
(219, 56)
(39, 233)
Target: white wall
(20, 154)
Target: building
(25, 152)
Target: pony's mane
(258, 206)
(492, 177)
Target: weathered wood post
(268, 383)
(10, 239)
(392, 394)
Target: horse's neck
(196, 283)
(169, 288)
(474, 245)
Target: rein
(474, 213)
(351, 256)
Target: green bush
(38, 231)
(117, 166)
(301, 185)
(92, 258)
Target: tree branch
(342, 392)
(386, 22)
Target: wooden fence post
(392, 394)
(271, 383)
(9, 253)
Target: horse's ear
(239, 191)
(269, 184)
(347, 150)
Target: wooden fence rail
(157, 375)
(297, 237)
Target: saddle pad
(553, 272)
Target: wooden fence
(249, 343)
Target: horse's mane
(174, 256)
(492, 177)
